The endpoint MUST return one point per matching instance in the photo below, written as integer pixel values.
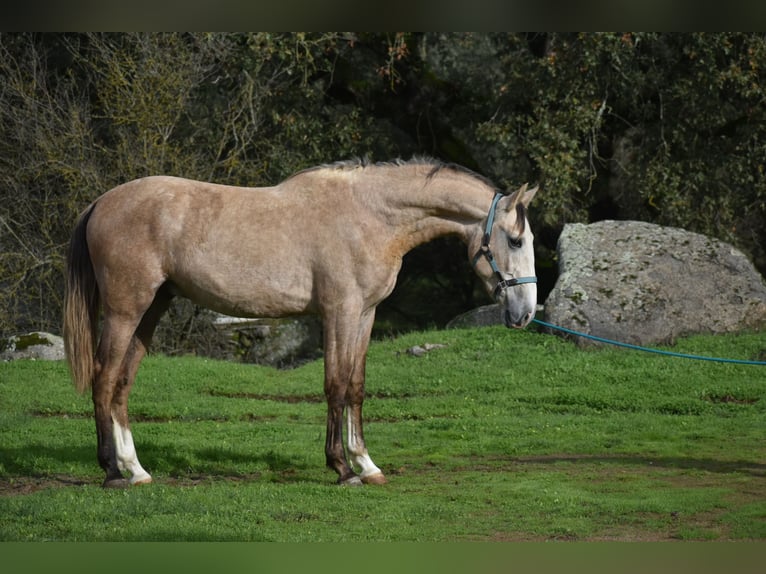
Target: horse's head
(504, 257)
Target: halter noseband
(486, 252)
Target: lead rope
(646, 349)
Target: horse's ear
(523, 196)
(528, 195)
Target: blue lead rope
(646, 349)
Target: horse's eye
(514, 242)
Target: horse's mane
(439, 166)
(435, 164)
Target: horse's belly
(246, 293)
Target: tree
(667, 128)
(80, 113)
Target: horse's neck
(449, 203)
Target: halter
(486, 252)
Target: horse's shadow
(195, 464)
(26, 461)
(208, 463)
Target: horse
(328, 240)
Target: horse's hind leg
(125, 450)
(127, 459)
(115, 341)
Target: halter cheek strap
(486, 252)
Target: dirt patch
(29, 485)
(304, 398)
(291, 399)
(741, 487)
(731, 399)
(742, 481)
(634, 462)
(22, 486)
(52, 414)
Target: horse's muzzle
(517, 323)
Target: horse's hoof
(147, 479)
(376, 478)
(353, 480)
(115, 483)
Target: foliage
(661, 127)
(82, 113)
(664, 127)
(499, 435)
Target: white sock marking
(359, 456)
(127, 459)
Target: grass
(499, 436)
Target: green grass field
(499, 436)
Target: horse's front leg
(369, 472)
(336, 456)
(346, 344)
(337, 369)
(334, 451)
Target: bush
(666, 128)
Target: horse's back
(241, 251)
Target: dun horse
(328, 240)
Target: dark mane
(439, 166)
(521, 209)
(436, 165)
(356, 163)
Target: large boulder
(483, 316)
(643, 284)
(281, 343)
(36, 345)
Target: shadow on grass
(41, 463)
(191, 535)
(28, 461)
(38, 466)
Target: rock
(420, 350)
(282, 343)
(35, 345)
(644, 284)
(416, 351)
(484, 316)
(480, 317)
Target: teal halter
(486, 252)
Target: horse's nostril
(519, 323)
(515, 322)
(525, 321)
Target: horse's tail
(81, 307)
